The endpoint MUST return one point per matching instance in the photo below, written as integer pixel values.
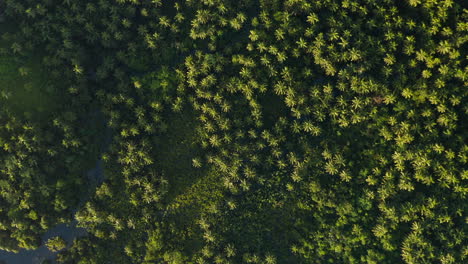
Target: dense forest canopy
(246, 131)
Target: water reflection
(67, 231)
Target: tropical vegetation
(247, 131)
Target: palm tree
(16, 47)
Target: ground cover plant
(249, 131)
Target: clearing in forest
(24, 86)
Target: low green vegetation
(250, 131)
(25, 88)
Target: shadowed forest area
(247, 131)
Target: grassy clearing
(24, 86)
(177, 149)
(191, 190)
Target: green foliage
(247, 131)
(43, 152)
(55, 244)
(25, 89)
